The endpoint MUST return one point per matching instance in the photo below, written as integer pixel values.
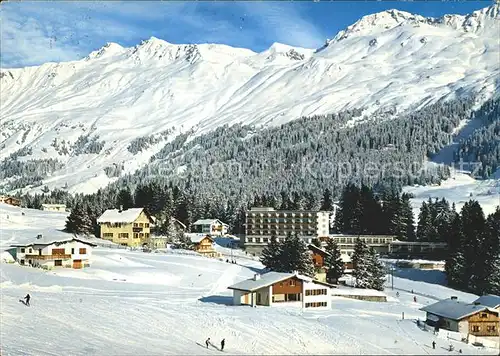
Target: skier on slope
(27, 298)
(434, 344)
(207, 342)
(222, 343)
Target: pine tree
(360, 262)
(75, 219)
(326, 202)
(125, 199)
(377, 271)
(296, 256)
(271, 256)
(491, 257)
(333, 262)
(424, 223)
(407, 217)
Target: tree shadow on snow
(217, 299)
(418, 275)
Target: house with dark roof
(283, 289)
(212, 227)
(465, 318)
(490, 300)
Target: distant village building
(47, 252)
(318, 256)
(204, 245)
(10, 200)
(282, 289)
(466, 318)
(54, 207)
(370, 295)
(129, 227)
(212, 227)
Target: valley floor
(135, 303)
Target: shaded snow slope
(132, 303)
(116, 94)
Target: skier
(450, 348)
(397, 294)
(207, 342)
(27, 298)
(415, 299)
(434, 345)
(222, 343)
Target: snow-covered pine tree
(327, 202)
(424, 223)
(377, 271)
(407, 217)
(333, 262)
(272, 255)
(125, 199)
(361, 264)
(75, 219)
(296, 256)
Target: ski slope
(131, 303)
(388, 60)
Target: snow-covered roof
(54, 238)
(54, 205)
(208, 222)
(317, 249)
(266, 280)
(490, 300)
(454, 309)
(196, 239)
(121, 216)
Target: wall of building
(134, 231)
(70, 248)
(321, 298)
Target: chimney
(121, 209)
(256, 277)
(454, 297)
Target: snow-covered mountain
(86, 113)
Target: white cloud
(34, 33)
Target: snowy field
(131, 303)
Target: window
(123, 235)
(316, 304)
(475, 328)
(30, 250)
(22, 262)
(22, 250)
(292, 283)
(316, 292)
(141, 224)
(136, 235)
(58, 263)
(147, 235)
(107, 234)
(72, 251)
(58, 251)
(136, 225)
(141, 235)
(484, 315)
(491, 328)
(146, 225)
(83, 251)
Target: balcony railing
(47, 257)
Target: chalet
(54, 207)
(204, 245)
(10, 200)
(468, 319)
(51, 252)
(318, 256)
(282, 289)
(129, 227)
(212, 227)
(489, 300)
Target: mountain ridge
(157, 90)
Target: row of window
(146, 225)
(316, 304)
(59, 251)
(124, 235)
(368, 240)
(316, 292)
(489, 328)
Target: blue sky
(33, 33)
